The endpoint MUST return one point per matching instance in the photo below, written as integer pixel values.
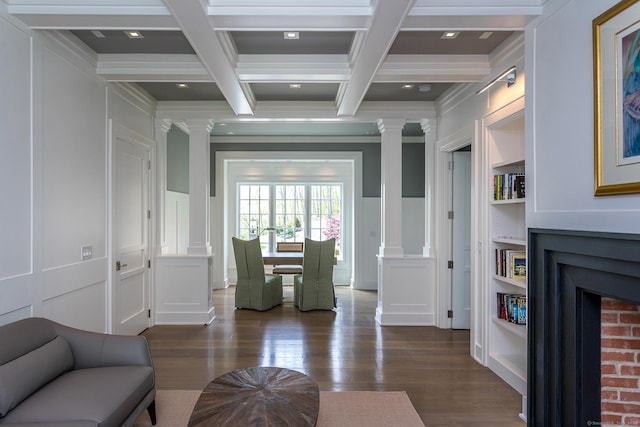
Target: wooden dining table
(290, 258)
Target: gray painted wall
(412, 161)
(177, 160)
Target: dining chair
(313, 289)
(288, 268)
(255, 289)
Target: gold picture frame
(616, 48)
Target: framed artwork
(616, 52)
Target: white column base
(183, 291)
(406, 291)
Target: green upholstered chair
(254, 289)
(313, 289)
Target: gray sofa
(54, 375)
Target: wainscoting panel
(83, 308)
(406, 293)
(183, 293)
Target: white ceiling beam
(296, 68)
(152, 67)
(433, 68)
(294, 112)
(386, 21)
(195, 25)
(293, 68)
(94, 15)
(289, 23)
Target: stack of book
(508, 186)
(511, 263)
(512, 308)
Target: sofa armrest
(92, 349)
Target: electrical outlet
(86, 252)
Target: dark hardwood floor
(341, 350)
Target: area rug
(337, 409)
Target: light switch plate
(86, 252)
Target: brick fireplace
(620, 363)
(584, 328)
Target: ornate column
(199, 193)
(391, 192)
(162, 127)
(430, 137)
(183, 292)
(406, 284)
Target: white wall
(54, 178)
(16, 266)
(560, 136)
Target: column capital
(430, 129)
(429, 125)
(201, 124)
(162, 125)
(384, 124)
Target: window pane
(326, 213)
(289, 212)
(253, 212)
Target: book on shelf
(509, 186)
(512, 308)
(511, 263)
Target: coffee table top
(258, 396)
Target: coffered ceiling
(344, 53)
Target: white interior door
(131, 237)
(461, 241)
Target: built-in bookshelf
(506, 249)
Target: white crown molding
(511, 49)
(456, 95)
(69, 43)
(135, 96)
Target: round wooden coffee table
(260, 396)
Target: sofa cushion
(105, 396)
(25, 374)
(24, 335)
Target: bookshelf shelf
(519, 330)
(506, 202)
(510, 241)
(518, 162)
(513, 282)
(504, 255)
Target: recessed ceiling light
(485, 35)
(424, 87)
(182, 85)
(407, 86)
(450, 34)
(134, 34)
(98, 34)
(295, 85)
(291, 35)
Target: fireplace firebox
(570, 274)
